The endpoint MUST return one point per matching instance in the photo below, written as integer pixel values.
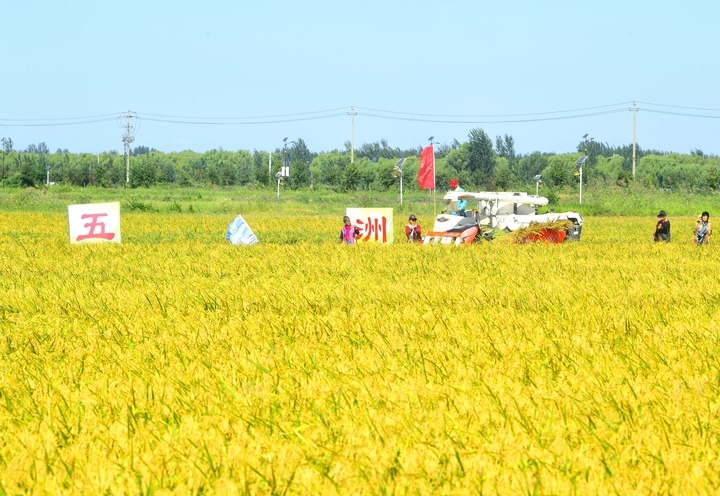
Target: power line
(506, 121)
(368, 112)
(62, 118)
(57, 123)
(271, 119)
(682, 114)
(680, 107)
(210, 123)
(252, 117)
(497, 115)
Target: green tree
(115, 173)
(505, 147)
(75, 170)
(559, 171)
(327, 168)
(458, 160)
(142, 150)
(299, 158)
(30, 172)
(244, 167)
(381, 149)
(261, 162)
(142, 171)
(190, 168)
(482, 158)
(350, 177)
(500, 148)
(164, 168)
(503, 179)
(385, 175)
(528, 166)
(510, 148)
(712, 178)
(221, 168)
(368, 171)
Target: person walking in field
(413, 231)
(348, 233)
(662, 228)
(703, 229)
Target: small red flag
(426, 173)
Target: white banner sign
(375, 224)
(94, 223)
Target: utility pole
(581, 168)
(634, 109)
(399, 172)
(130, 129)
(352, 135)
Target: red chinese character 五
(92, 225)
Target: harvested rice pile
(535, 231)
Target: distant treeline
(479, 164)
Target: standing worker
(348, 233)
(461, 204)
(703, 229)
(662, 228)
(413, 231)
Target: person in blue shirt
(461, 204)
(703, 229)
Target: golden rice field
(176, 363)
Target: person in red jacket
(413, 231)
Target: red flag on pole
(426, 173)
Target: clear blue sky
(235, 66)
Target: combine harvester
(506, 211)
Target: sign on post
(94, 223)
(375, 224)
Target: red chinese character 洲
(95, 224)
(373, 227)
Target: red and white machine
(495, 210)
